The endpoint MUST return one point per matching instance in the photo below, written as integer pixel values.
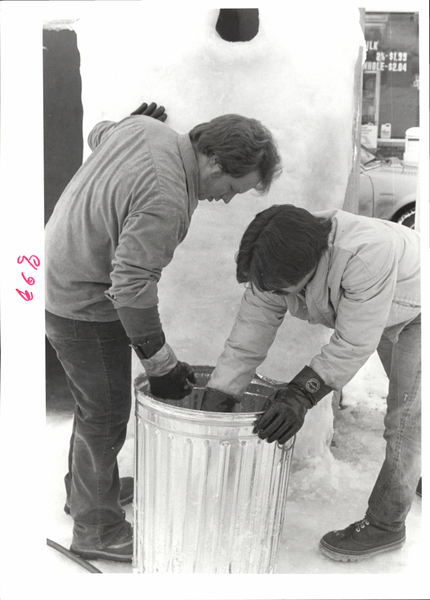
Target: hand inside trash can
(216, 401)
(176, 384)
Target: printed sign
(385, 60)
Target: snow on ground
(326, 492)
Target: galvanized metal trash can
(209, 494)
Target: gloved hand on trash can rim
(285, 410)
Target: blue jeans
(97, 360)
(394, 490)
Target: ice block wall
(297, 77)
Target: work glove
(216, 401)
(285, 411)
(167, 377)
(151, 111)
(175, 385)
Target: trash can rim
(194, 414)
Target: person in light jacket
(359, 277)
(112, 232)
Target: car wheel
(406, 217)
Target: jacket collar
(191, 170)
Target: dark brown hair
(280, 247)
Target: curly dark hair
(241, 146)
(280, 247)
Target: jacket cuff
(311, 384)
(147, 348)
(161, 363)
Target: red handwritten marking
(34, 264)
(30, 280)
(25, 295)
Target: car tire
(406, 216)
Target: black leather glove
(151, 111)
(174, 385)
(286, 409)
(216, 401)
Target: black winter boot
(360, 540)
(120, 549)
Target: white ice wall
(297, 77)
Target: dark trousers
(97, 360)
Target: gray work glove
(151, 111)
(285, 411)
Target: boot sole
(345, 556)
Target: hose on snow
(80, 561)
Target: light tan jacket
(367, 282)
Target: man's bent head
(281, 248)
(238, 146)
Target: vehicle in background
(388, 188)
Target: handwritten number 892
(34, 263)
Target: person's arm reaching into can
(168, 377)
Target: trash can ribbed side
(210, 495)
